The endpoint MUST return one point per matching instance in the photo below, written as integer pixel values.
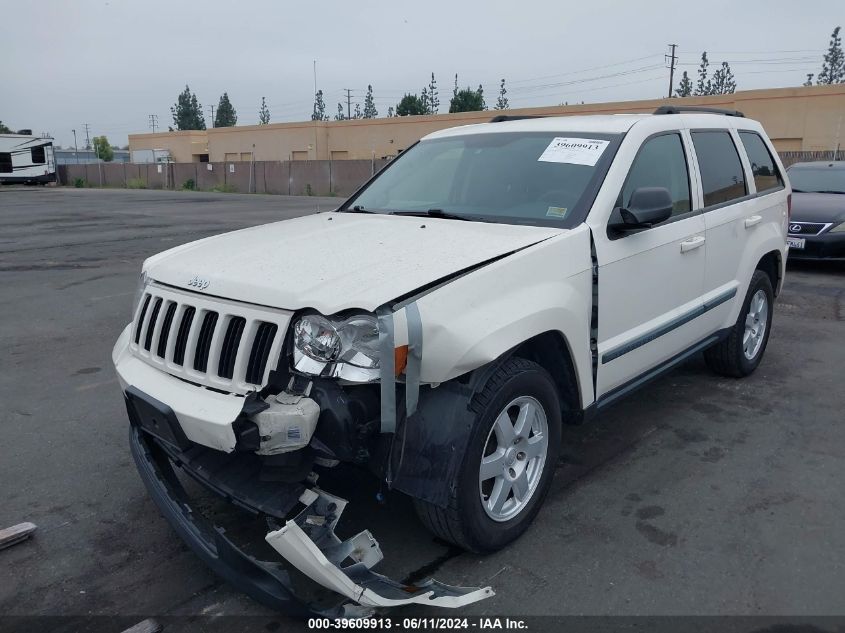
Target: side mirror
(648, 206)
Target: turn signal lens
(400, 359)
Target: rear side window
(38, 156)
(661, 162)
(5, 163)
(763, 168)
(722, 177)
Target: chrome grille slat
(181, 344)
(151, 324)
(166, 325)
(208, 341)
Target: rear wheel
(739, 354)
(509, 463)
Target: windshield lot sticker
(556, 212)
(576, 151)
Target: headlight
(839, 228)
(143, 281)
(343, 348)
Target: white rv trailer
(27, 159)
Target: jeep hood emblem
(199, 282)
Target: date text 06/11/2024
(414, 624)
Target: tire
(517, 386)
(732, 357)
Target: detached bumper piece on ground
(307, 542)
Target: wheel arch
(552, 352)
(772, 264)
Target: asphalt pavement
(696, 496)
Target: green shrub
(79, 183)
(227, 188)
(189, 185)
(136, 183)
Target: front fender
(478, 317)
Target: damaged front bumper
(307, 542)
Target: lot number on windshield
(577, 151)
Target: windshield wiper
(437, 213)
(831, 191)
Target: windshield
(817, 179)
(524, 178)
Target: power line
(212, 114)
(154, 122)
(87, 136)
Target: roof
(839, 164)
(599, 123)
(608, 123)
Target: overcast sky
(112, 64)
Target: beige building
(797, 119)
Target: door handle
(692, 243)
(752, 220)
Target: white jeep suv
(492, 283)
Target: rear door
(650, 282)
(737, 174)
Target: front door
(650, 282)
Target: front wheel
(509, 463)
(739, 354)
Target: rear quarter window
(763, 168)
(722, 178)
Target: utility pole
(154, 122)
(316, 151)
(672, 59)
(212, 115)
(87, 136)
(75, 147)
(348, 103)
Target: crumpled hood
(335, 261)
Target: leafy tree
(319, 113)
(340, 116)
(370, 111)
(4, 129)
(263, 113)
(187, 112)
(356, 113)
(467, 100)
(703, 86)
(410, 105)
(809, 81)
(103, 149)
(833, 69)
(226, 115)
(723, 81)
(684, 89)
(455, 89)
(390, 113)
(502, 101)
(433, 104)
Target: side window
(5, 163)
(763, 168)
(37, 154)
(722, 177)
(660, 163)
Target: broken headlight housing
(338, 347)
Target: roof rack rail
(515, 117)
(671, 109)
